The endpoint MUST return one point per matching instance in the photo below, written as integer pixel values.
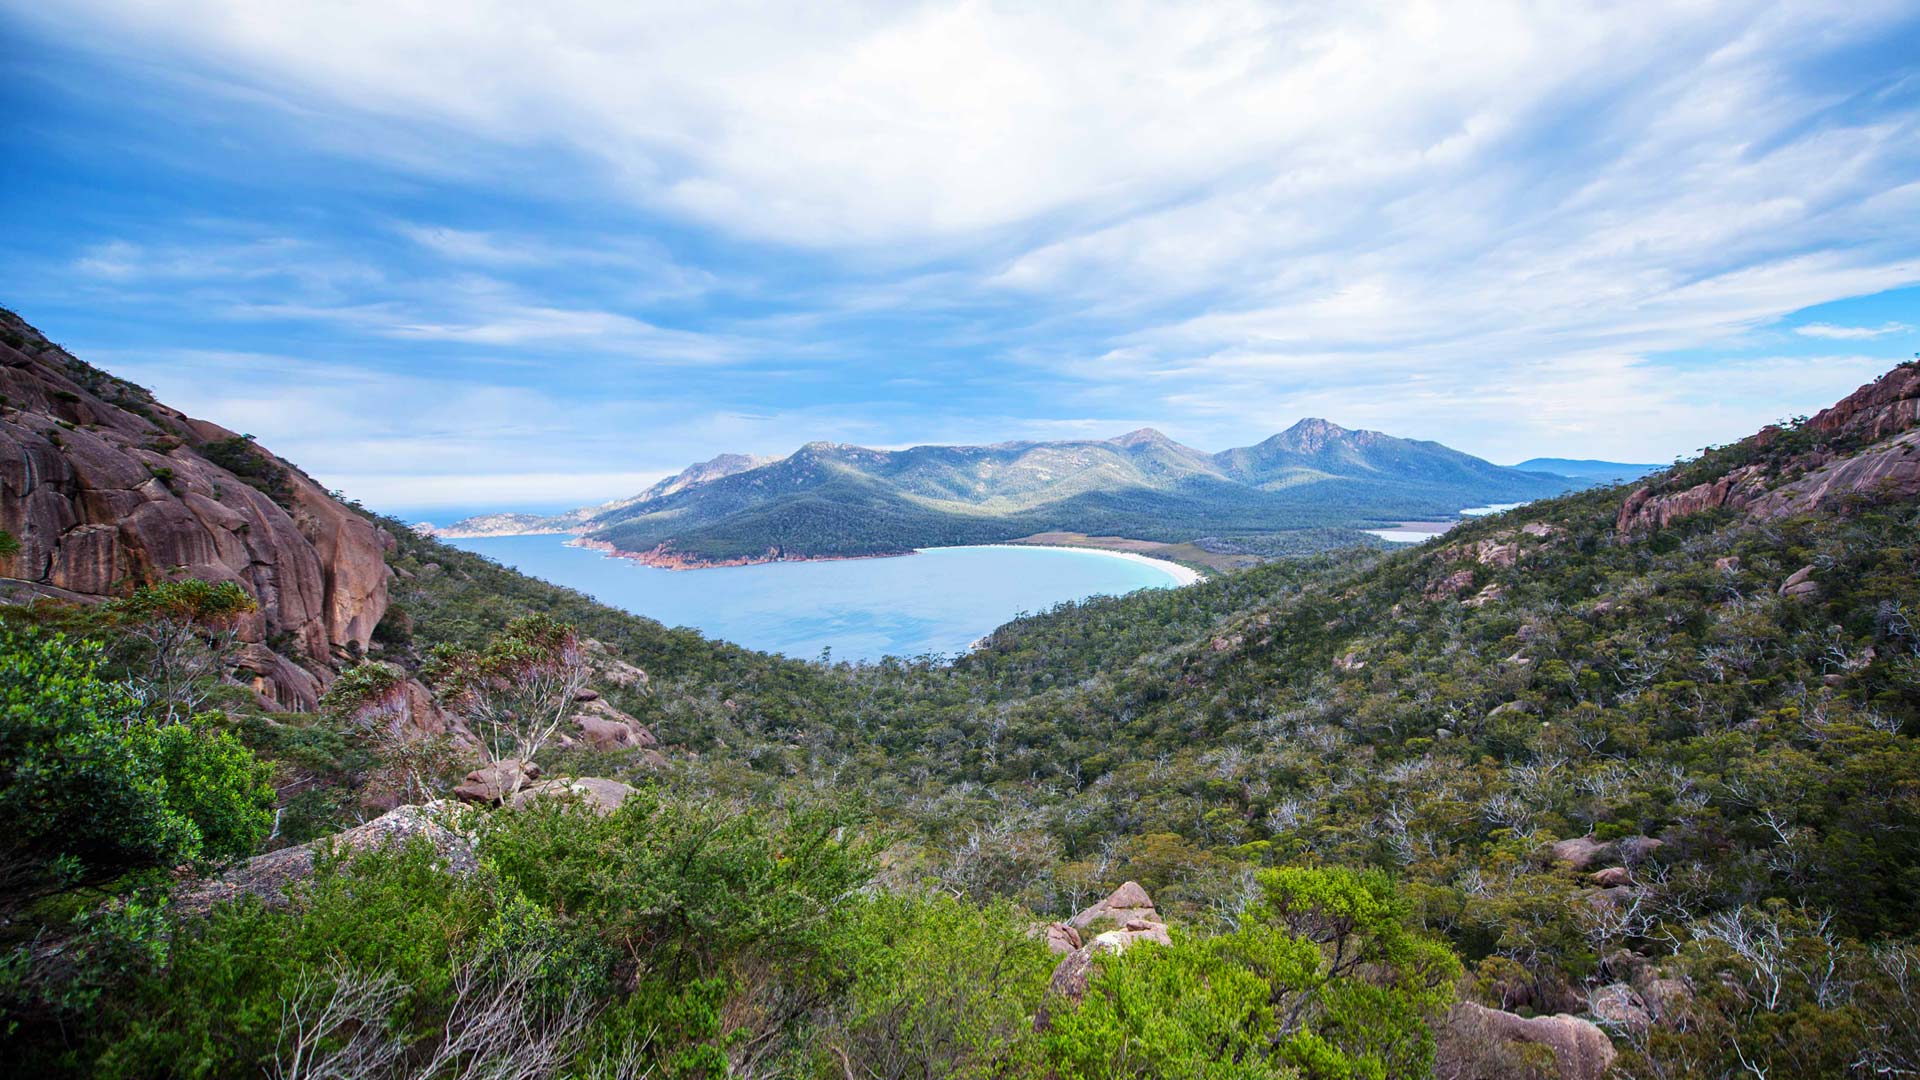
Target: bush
(938, 987)
(89, 788)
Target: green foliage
(91, 788)
(252, 465)
(216, 1008)
(684, 886)
(1184, 1010)
(186, 601)
(936, 987)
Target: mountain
(102, 489)
(1589, 470)
(517, 524)
(829, 500)
(1624, 782)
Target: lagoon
(937, 601)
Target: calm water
(938, 601)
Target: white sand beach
(1182, 575)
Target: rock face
(1644, 511)
(1890, 469)
(1581, 1050)
(269, 876)
(106, 489)
(1881, 415)
(1886, 406)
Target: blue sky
(514, 256)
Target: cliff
(104, 489)
(1864, 445)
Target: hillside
(828, 500)
(1622, 783)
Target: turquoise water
(938, 601)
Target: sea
(937, 602)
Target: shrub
(89, 788)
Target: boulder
(1582, 852)
(1062, 938)
(1612, 877)
(1666, 1000)
(494, 782)
(1728, 563)
(1539, 529)
(1581, 1051)
(270, 876)
(599, 794)
(1488, 595)
(1127, 903)
(1618, 1006)
(1451, 585)
(607, 728)
(1800, 585)
(1496, 554)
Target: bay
(936, 601)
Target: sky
(510, 254)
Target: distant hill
(1588, 469)
(829, 500)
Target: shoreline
(662, 559)
(1182, 575)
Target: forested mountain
(1621, 783)
(829, 500)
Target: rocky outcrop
(105, 489)
(1130, 913)
(1644, 510)
(597, 793)
(1886, 406)
(1800, 585)
(1581, 1051)
(1582, 852)
(270, 877)
(1889, 470)
(1449, 585)
(494, 782)
(1881, 417)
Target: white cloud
(1850, 333)
(1469, 221)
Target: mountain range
(829, 500)
(1587, 771)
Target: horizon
(559, 255)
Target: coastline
(1182, 575)
(661, 558)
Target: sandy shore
(1182, 575)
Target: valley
(1618, 782)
